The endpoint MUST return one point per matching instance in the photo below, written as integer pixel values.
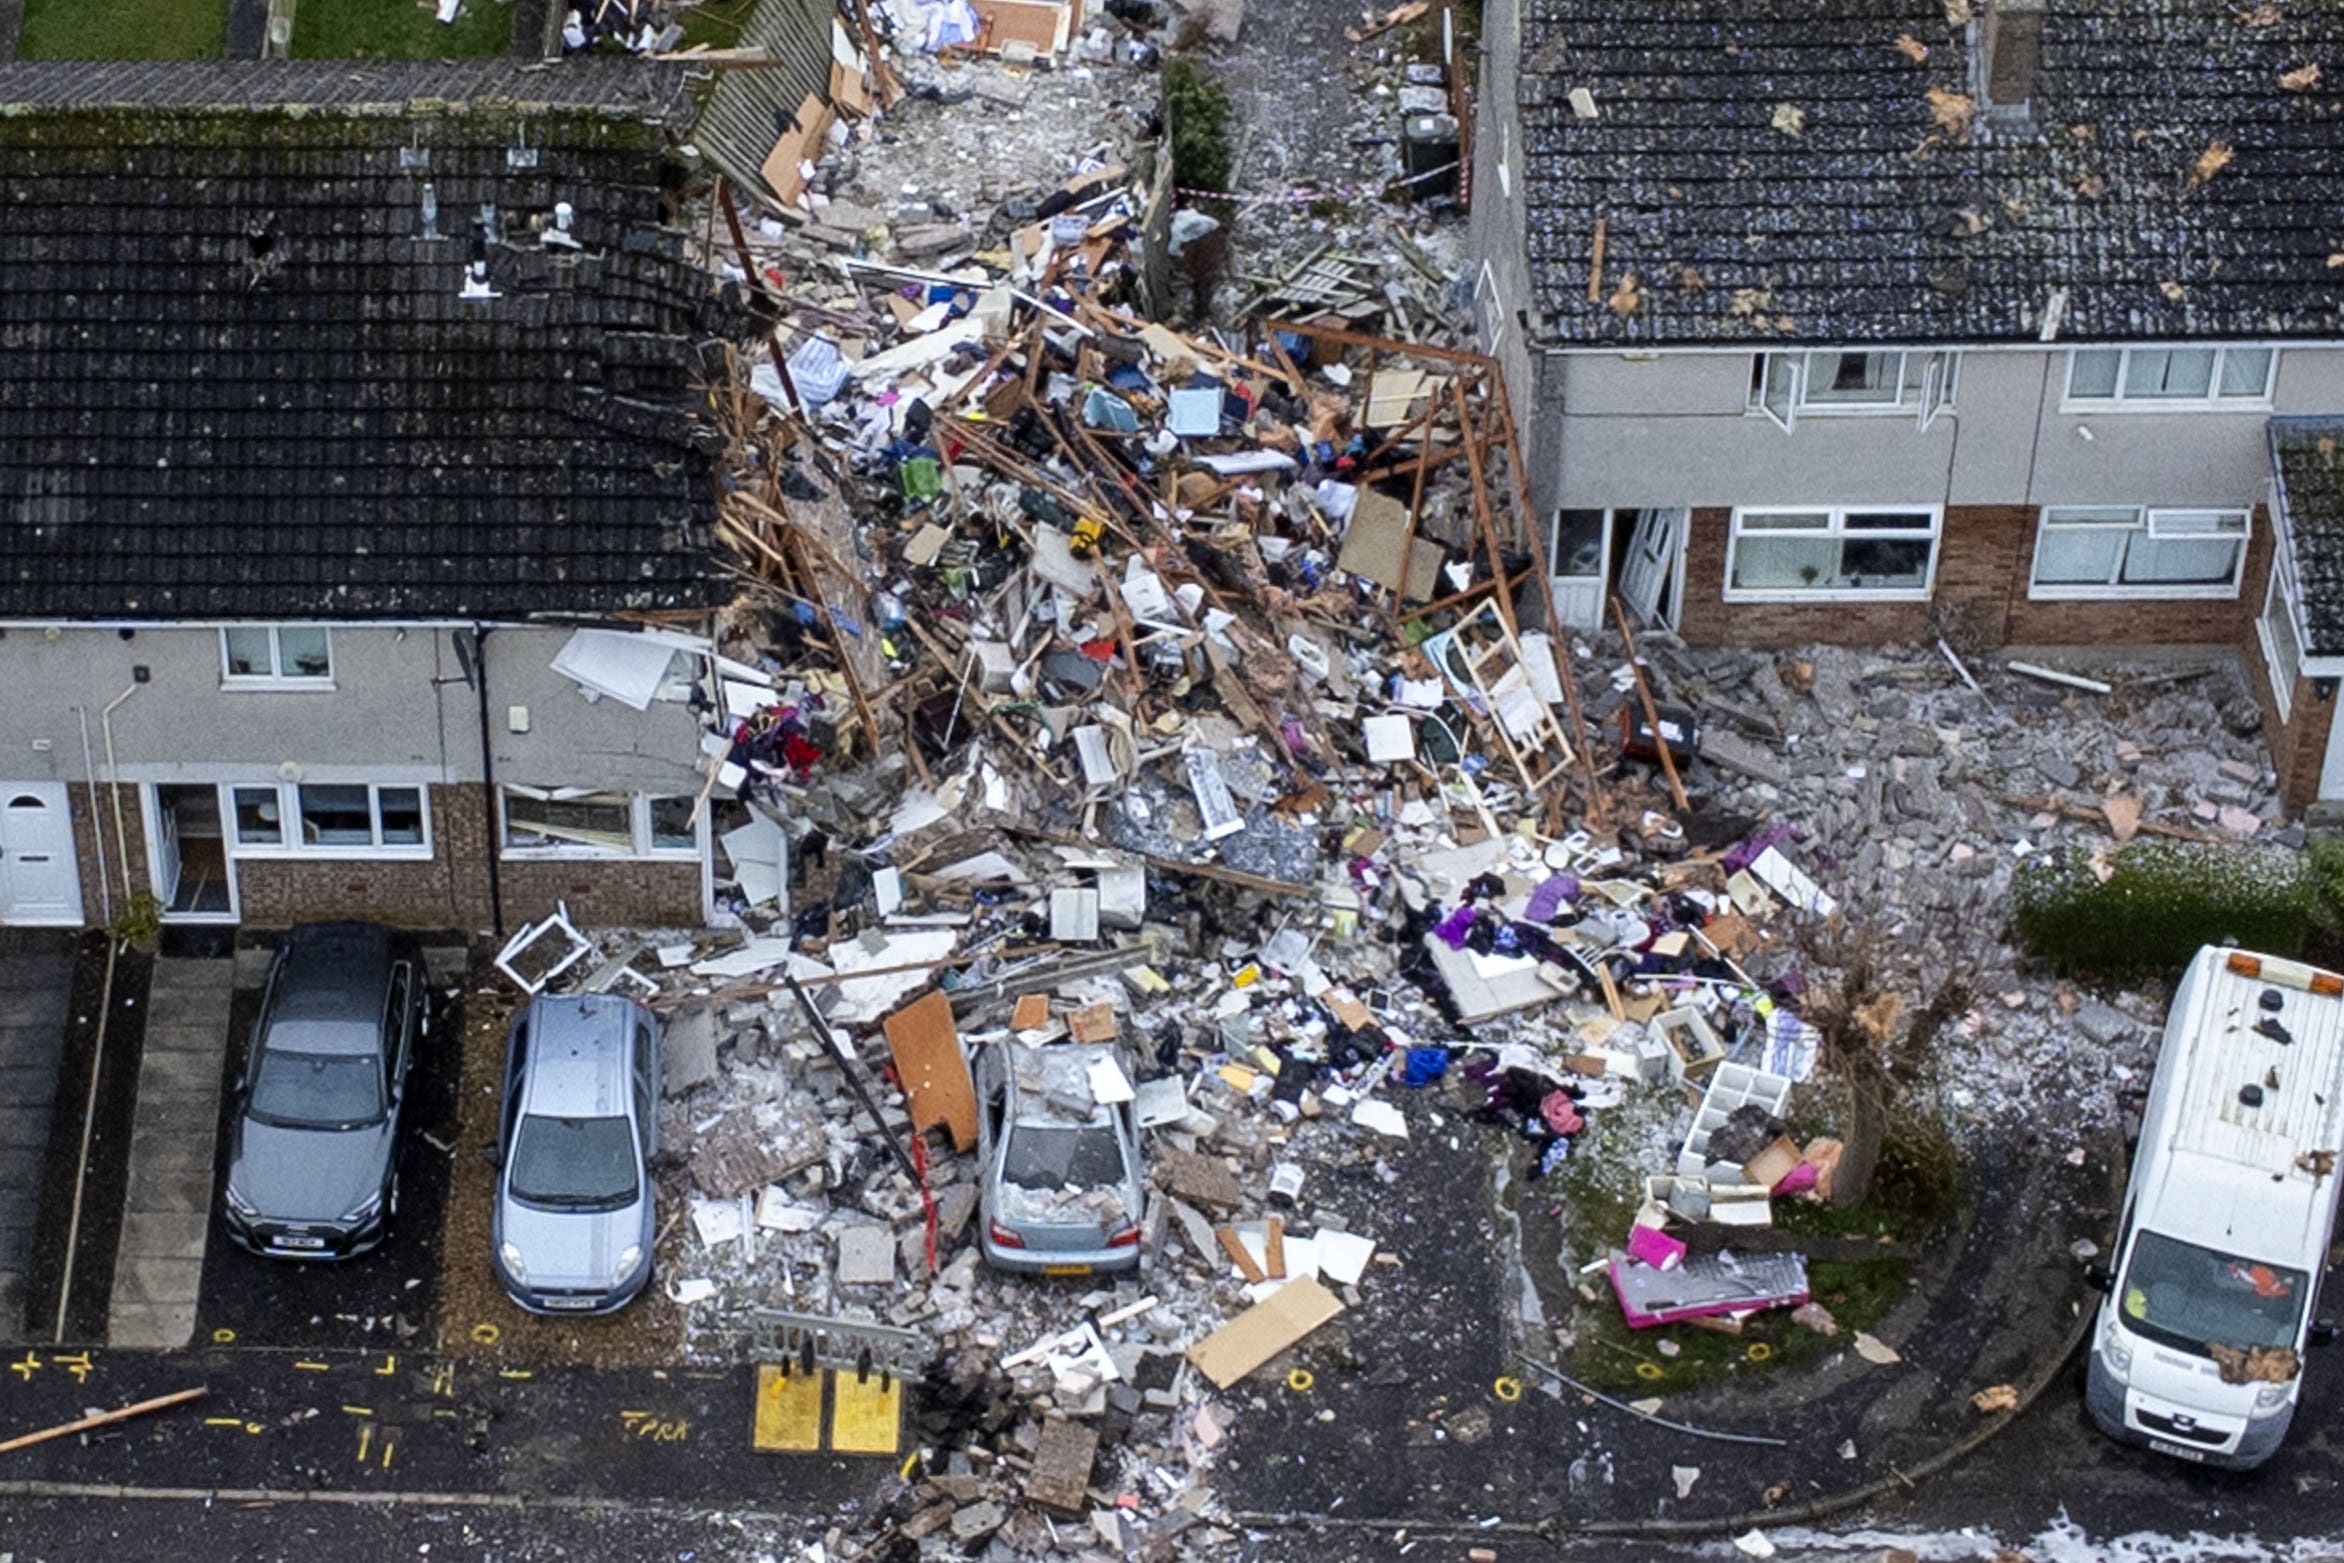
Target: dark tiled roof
(1858, 226)
(190, 429)
(2308, 454)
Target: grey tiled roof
(2308, 454)
(1853, 215)
(234, 381)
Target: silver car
(580, 1125)
(1060, 1189)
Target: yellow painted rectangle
(865, 1417)
(789, 1410)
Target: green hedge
(2162, 902)
(1196, 109)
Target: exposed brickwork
(2299, 746)
(1984, 563)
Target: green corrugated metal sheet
(743, 113)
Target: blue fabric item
(1425, 1065)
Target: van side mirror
(2099, 1277)
(2322, 1332)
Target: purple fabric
(1773, 834)
(1549, 897)
(1455, 927)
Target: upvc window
(274, 655)
(1852, 380)
(330, 819)
(583, 822)
(1828, 554)
(2282, 641)
(2131, 551)
(2185, 377)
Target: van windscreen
(2189, 1297)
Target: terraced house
(333, 398)
(1870, 320)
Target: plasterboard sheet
(628, 668)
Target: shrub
(1196, 110)
(2160, 902)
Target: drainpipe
(488, 808)
(114, 781)
(89, 782)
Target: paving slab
(158, 1267)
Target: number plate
(2178, 1451)
(1066, 1269)
(569, 1302)
(299, 1242)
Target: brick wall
(1984, 562)
(2299, 745)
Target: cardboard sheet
(1263, 1330)
(1372, 545)
(934, 1069)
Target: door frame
(58, 797)
(150, 802)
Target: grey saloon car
(314, 1154)
(1059, 1169)
(580, 1125)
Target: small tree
(1873, 1043)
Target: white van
(2227, 1219)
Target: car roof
(329, 991)
(578, 1055)
(1051, 1085)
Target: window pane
(2190, 562)
(2197, 523)
(1853, 377)
(2092, 372)
(601, 821)
(304, 653)
(1784, 521)
(2092, 515)
(1763, 563)
(1885, 563)
(2246, 371)
(2154, 372)
(2078, 555)
(259, 821)
(1889, 521)
(1578, 546)
(336, 816)
(401, 809)
(671, 825)
(248, 653)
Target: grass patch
(399, 30)
(2161, 902)
(123, 30)
(1914, 1194)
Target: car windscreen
(574, 1163)
(1049, 1156)
(316, 1090)
(2188, 1297)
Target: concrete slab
(31, 1086)
(24, 1128)
(140, 1278)
(164, 1234)
(158, 1189)
(175, 1116)
(173, 1074)
(866, 1256)
(150, 1327)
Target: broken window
(2127, 550)
(1855, 379)
(672, 829)
(2170, 376)
(1851, 380)
(569, 817)
(1837, 552)
(276, 654)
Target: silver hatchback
(1060, 1184)
(579, 1127)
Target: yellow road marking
(514, 1373)
(866, 1417)
(789, 1410)
(389, 1367)
(313, 1367)
(358, 1410)
(365, 1440)
(223, 1421)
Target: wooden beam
(103, 1419)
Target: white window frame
(1925, 384)
(1836, 528)
(638, 820)
(276, 677)
(2212, 401)
(2280, 594)
(2162, 523)
(289, 843)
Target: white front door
(165, 837)
(39, 881)
(1650, 583)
